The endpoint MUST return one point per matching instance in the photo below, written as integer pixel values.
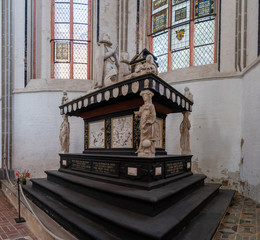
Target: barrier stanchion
(19, 219)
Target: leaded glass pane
(204, 33)
(181, 59)
(180, 37)
(160, 20)
(80, 71)
(204, 7)
(80, 53)
(163, 63)
(62, 70)
(181, 13)
(158, 5)
(80, 13)
(204, 55)
(81, 1)
(56, 1)
(160, 44)
(80, 32)
(178, 1)
(62, 12)
(62, 31)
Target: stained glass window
(70, 39)
(188, 39)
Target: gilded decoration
(96, 138)
(122, 132)
(108, 133)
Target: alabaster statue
(188, 94)
(185, 134)
(65, 135)
(147, 116)
(124, 67)
(107, 62)
(64, 98)
(148, 67)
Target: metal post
(19, 219)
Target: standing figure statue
(65, 98)
(185, 134)
(107, 62)
(65, 135)
(147, 116)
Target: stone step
(125, 182)
(205, 224)
(72, 221)
(127, 224)
(141, 201)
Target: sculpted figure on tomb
(147, 116)
(65, 135)
(148, 67)
(185, 133)
(107, 63)
(188, 94)
(124, 68)
(65, 98)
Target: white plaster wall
(250, 165)
(216, 128)
(36, 126)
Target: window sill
(54, 85)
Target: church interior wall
(224, 118)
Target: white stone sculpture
(107, 63)
(147, 116)
(124, 67)
(188, 94)
(148, 67)
(185, 134)
(65, 98)
(65, 135)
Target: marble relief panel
(96, 134)
(122, 132)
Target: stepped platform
(98, 209)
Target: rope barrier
(28, 205)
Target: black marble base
(127, 167)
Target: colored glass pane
(178, 1)
(180, 14)
(159, 3)
(160, 20)
(204, 7)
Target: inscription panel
(81, 165)
(174, 168)
(105, 168)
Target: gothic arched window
(70, 39)
(183, 33)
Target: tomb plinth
(112, 132)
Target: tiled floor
(241, 222)
(9, 229)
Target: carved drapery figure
(65, 98)
(147, 116)
(107, 62)
(65, 135)
(124, 68)
(185, 134)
